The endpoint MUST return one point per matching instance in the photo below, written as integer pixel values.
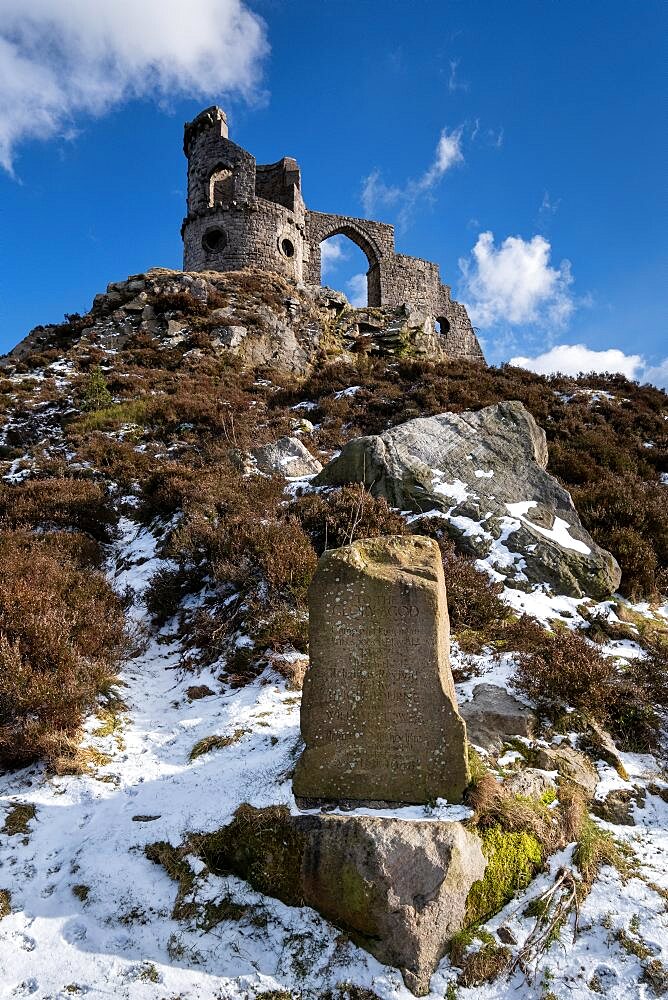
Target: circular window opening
(214, 240)
(287, 247)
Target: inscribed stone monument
(379, 713)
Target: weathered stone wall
(280, 182)
(261, 224)
(244, 214)
(255, 237)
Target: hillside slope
(153, 643)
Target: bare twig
(553, 907)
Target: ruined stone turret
(245, 214)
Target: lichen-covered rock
(493, 716)
(569, 764)
(485, 471)
(530, 783)
(399, 888)
(288, 456)
(379, 711)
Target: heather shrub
(285, 629)
(165, 490)
(118, 460)
(237, 538)
(638, 562)
(62, 635)
(561, 669)
(341, 516)
(57, 503)
(278, 552)
(473, 598)
(178, 302)
(557, 669)
(167, 588)
(640, 696)
(630, 517)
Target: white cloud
(571, 359)
(656, 374)
(515, 283)
(61, 59)
(357, 290)
(448, 154)
(453, 82)
(548, 206)
(332, 252)
(376, 194)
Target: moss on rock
(261, 846)
(512, 861)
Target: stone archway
(346, 267)
(375, 240)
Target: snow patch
(559, 532)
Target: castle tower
(240, 213)
(245, 214)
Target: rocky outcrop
(260, 317)
(484, 473)
(288, 456)
(397, 887)
(530, 783)
(493, 716)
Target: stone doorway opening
(345, 267)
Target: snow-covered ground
(91, 914)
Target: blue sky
(520, 145)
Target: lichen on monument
(379, 713)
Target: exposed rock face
(288, 456)
(493, 715)
(485, 471)
(260, 317)
(398, 887)
(379, 712)
(598, 743)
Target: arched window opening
(220, 187)
(344, 267)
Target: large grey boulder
(484, 472)
(288, 456)
(397, 887)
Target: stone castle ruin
(245, 214)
